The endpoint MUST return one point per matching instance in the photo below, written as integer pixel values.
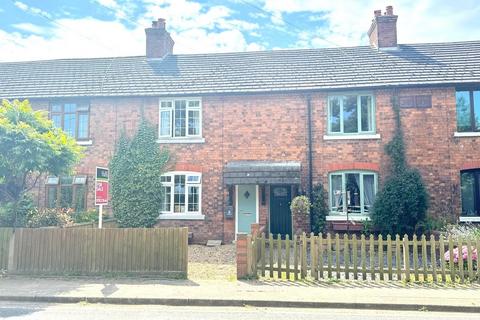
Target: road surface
(21, 310)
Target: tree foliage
(30, 146)
(319, 208)
(402, 203)
(136, 168)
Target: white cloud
(121, 11)
(29, 27)
(419, 21)
(30, 9)
(195, 29)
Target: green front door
(246, 207)
(280, 214)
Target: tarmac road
(40, 311)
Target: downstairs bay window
(352, 192)
(181, 195)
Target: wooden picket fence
(363, 258)
(84, 251)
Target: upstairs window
(468, 111)
(181, 193)
(351, 114)
(73, 118)
(352, 192)
(180, 118)
(67, 192)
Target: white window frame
(343, 173)
(359, 112)
(170, 214)
(171, 109)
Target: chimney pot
(159, 42)
(389, 11)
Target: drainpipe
(310, 152)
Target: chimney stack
(159, 42)
(383, 31)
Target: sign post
(101, 191)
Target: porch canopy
(262, 172)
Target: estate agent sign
(101, 191)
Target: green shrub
(85, 216)
(16, 214)
(50, 217)
(402, 203)
(135, 170)
(320, 208)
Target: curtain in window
(368, 191)
(336, 192)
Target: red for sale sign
(101, 193)
(101, 186)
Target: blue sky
(50, 29)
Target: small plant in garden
(50, 217)
(462, 231)
(464, 253)
(300, 206)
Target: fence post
(11, 252)
(242, 261)
(406, 257)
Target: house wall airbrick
(273, 127)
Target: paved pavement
(40, 311)
(357, 295)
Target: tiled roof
(262, 71)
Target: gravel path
(211, 263)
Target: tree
(30, 146)
(136, 168)
(402, 203)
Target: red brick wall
(274, 127)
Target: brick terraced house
(249, 130)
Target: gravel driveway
(211, 263)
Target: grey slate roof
(243, 72)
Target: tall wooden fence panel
(97, 251)
(5, 235)
(346, 257)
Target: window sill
(84, 142)
(181, 140)
(469, 219)
(466, 134)
(183, 216)
(352, 137)
(351, 217)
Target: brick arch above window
(187, 167)
(353, 166)
(470, 165)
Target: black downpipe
(310, 152)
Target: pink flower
(464, 254)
